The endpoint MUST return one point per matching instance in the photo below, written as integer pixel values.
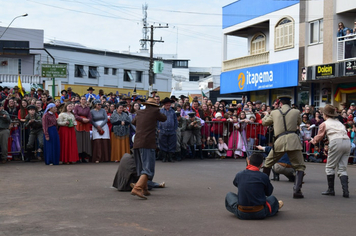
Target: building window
(258, 44)
(193, 78)
(79, 71)
(19, 71)
(114, 71)
(128, 76)
(316, 31)
(106, 71)
(284, 34)
(139, 76)
(93, 72)
(180, 64)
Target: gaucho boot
(267, 171)
(200, 152)
(192, 149)
(170, 156)
(140, 188)
(330, 191)
(275, 176)
(163, 156)
(297, 189)
(345, 185)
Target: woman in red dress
(67, 137)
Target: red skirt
(68, 142)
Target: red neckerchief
(196, 112)
(253, 168)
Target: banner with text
(271, 76)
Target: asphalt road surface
(78, 199)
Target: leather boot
(192, 149)
(267, 171)
(163, 156)
(330, 191)
(140, 186)
(275, 176)
(297, 193)
(170, 157)
(345, 185)
(178, 156)
(200, 152)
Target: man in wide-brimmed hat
(285, 121)
(145, 145)
(339, 149)
(33, 93)
(167, 131)
(90, 95)
(64, 95)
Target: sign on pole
(54, 71)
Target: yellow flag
(19, 84)
(190, 98)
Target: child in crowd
(316, 157)
(324, 153)
(251, 133)
(222, 148)
(211, 144)
(218, 125)
(306, 130)
(235, 140)
(33, 121)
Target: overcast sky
(194, 32)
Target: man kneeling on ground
(254, 199)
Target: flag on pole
(202, 93)
(19, 84)
(172, 93)
(190, 98)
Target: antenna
(144, 27)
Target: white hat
(218, 114)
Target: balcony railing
(247, 61)
(32, 79)
(346, 47)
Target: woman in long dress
(134, 108)
(82, 130)
(235, 140)
(120, 133)
(68, 141)
(51, 137)
(101, 133)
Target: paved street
(78, 200)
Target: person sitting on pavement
(254, 199)
(283, 166)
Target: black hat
(140, 99)
(191, 114)
(232, 109)
(31, 107)
(224, 101)
(173, 97)
(64, 91)
(177, 113)
(182, 97)
(258, 102)
(90, 88)
(166, 100)
(6, 88)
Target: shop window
(316, 31)
(258, 44)
(284, 34)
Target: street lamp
(24, 15)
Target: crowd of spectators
(98, 128)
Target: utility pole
(152, 41)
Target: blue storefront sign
(271, 76)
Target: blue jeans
(231, 204)
(145, 162)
